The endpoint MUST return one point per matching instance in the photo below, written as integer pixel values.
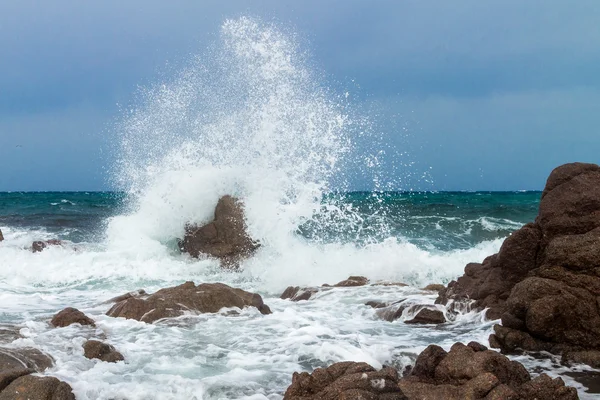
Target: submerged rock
(345, 380)
(474, 372)
(70, 316)
(37, 388)
(102, 351)
(225, 238)
(187, 297)
(544, 284)
(40, 245)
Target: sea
(254, 118)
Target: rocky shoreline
(543, 286)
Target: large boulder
(37, 388)
(474, 372)
(544, 283)
(185, 298)
(225, 238)
(345, 381)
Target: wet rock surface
(37, 388)
(225, 238)
(1, 236)
(102, 351)
(187, 297)
(428, 316)
(345, 380)
(544, 284)
(474, 372)
(70, 316)
(40, 245)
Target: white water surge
(251, 119)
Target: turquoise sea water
(430, 220)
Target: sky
(477, 95)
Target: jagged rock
(474, 372)
(187, 297)
(102, 351)
(347, 381)
(37, 388)
(428, 316)
(225, 238)
(544, 283)
(40, 245)
(353, 281)
(70, 316)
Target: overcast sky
(483, 95)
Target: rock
(70, 316)
(9, 375)
(474, 372)
(353, 281)
(434, 287)
(428, 316)
(37, 388)
(345, 380)
(1, 236)
(294, 293)
(187, 297)
(40, 245)
(24, 358)
(589, 357)
(102, 351)
(544, 284)
(136, 293)
(225, 238)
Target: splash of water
(248, 119)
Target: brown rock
(345, 380)
(225, 237)
(187, 297)
(9, 375)
(353, 281)
(40, 245)
(428, 316)
(28, 358)
(37, 388)
(295, 293)
(473, 372)
(1, 236)
(544, 387)
(545, 282)
(434, 287)
(589, 357)
(70, 316)
(102, 351)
